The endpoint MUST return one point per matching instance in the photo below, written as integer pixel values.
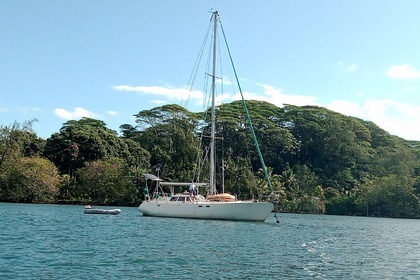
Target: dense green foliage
(30, 179)
(319, 161)
(107, 182)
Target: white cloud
(77, 113)
(351, 68)
(275, 96)
(169, 92)
(225, 97)
(25, 110)
(346, 108)
(112, 113)
(270, 94)
(395, 117)
(158, 102)
(347, 68)
(403, 72)
(225, 80)
(4, 110)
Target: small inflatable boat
(90, 210)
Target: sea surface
(60, 242)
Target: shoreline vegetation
(319, 161)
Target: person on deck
(193, 192)
(146, 193)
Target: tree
(276, 143)
(84, 141)
(327, 137)
(169, 134)
(18, 140)
(238, 177)
(108, 182)
(277, 186)
(31, 180)
(319, 194)
(137, 156)
(392, 196)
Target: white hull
(233, 211)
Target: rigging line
(267, 177)
(207, 80)
(221, 69)
(190, 86)
(206, 103)
(194, 71)
(201, 156)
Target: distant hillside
(356, 163)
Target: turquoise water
(60, 242)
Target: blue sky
(62, 60)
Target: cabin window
(174, 198)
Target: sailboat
(214, 206)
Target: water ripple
(60, 242)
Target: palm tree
(276, 182)
(293, 191)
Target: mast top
(215, 15)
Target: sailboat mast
(213, 111)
